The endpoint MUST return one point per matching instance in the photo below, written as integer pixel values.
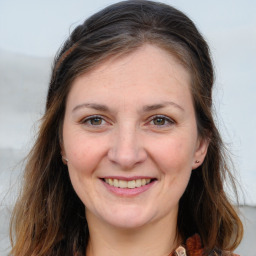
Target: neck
(154, 239)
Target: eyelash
(167, 121)
(164, 118)
(91, 118)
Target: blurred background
(31, 31)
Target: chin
(127, 219)
(127, 223)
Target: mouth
(128, 184)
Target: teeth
(138, 183)
(131, 184)
(111, 182)
(127, 184)
(116, 183)
(122, 184)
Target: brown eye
(159, 121)
(95, 121)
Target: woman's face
(130, 137)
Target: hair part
(49, 218)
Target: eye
(161, 121)
(93, 121)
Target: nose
(127, 149)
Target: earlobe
(64, 160)
(200, 153)
(63, 156)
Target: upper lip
(128, 178)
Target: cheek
(174, 155)
(84, 160)
(175, 164)
(83, 152)
(84, 155)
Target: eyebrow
(95, 106)
(147, 108)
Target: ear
(62, 150)
(63, 155)
(200, 153)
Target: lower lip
(128, 191)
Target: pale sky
(38, 28)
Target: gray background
(30, 34)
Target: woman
(128, 159)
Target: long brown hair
(49, 218)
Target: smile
(127, 184)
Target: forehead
(145, 71)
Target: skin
(147, 128)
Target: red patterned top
(194, 247)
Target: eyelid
(168, 119)
(88, 118)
